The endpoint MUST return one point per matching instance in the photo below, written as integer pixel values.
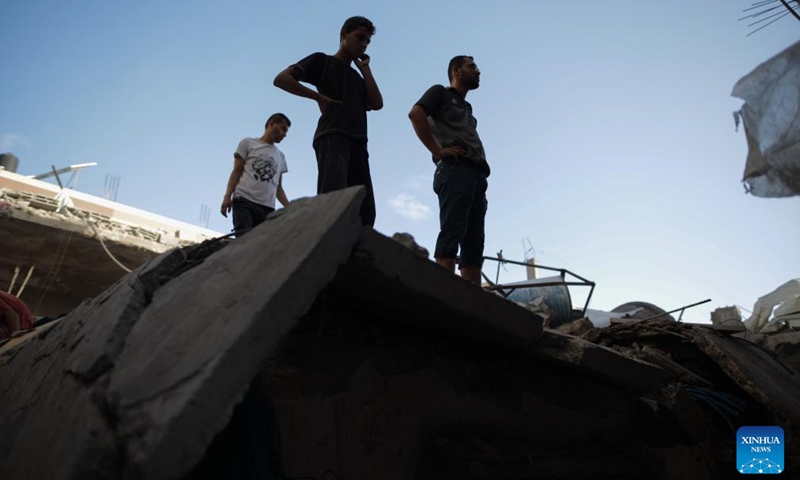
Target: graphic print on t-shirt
(264, 169)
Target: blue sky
(608, 125)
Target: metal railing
(506, 290)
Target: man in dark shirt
(443, 121)
(344, 97)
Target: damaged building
(60, 246)
(316, 348)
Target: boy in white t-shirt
(256, 179)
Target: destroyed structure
(770, 117)
(316, 348)
(66, 246)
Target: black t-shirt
(339, 81)
(452, 123)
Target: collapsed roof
(75, 245)
(367, 361)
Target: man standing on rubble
(343, 97)
(257, 177)
(443, 121)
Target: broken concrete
(576, 327)
(53, 396)
(785, 345)
(726, 315)
(728, 364)
(176, 382)
(432, 296)
(361, 396)
(121, 377)
(366, 361)
(67, 248)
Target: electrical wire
(55, 266)
(97, 234)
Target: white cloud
(410, 207)
(10, 140)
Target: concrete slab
(757, 372)
(170, 390)
(407, 288)
(404, 286)
(191, 355)
(52, 404)
(8, 348)
(598, 360)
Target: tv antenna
(528, 249)
(772, 10)
(75, 169)
(205, 215)
(111, 187)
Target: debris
(78, 242)
(726, 315)
(772, 105)
(767, 318)
(576, 327)
(366, 361)
(642, 311)
(408, 240)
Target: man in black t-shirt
(344, 97)
(443, 121)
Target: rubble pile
(314, 347)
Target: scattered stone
(576, 327)
(726, 315)
(408, 240)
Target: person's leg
(260, 213)
(473, 274)
(447, 262)
(242, 216)
(474, 237)
(333, 162)
(455, 197)
(359, 175)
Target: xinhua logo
(759, 450)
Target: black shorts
(461, 188)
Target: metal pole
(791, 10)
(24, 283)
(679, 309)
(13, 279)
(55, 172)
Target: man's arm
(281, 194)
(419, 120)
(374, 97)
(289, 80)
(236, 174)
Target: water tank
(9, 162)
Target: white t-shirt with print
(264, 164)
